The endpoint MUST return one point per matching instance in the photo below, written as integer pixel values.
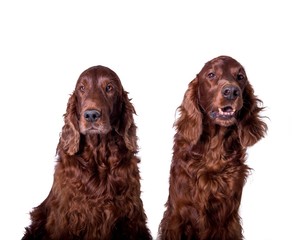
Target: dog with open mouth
(219, 118)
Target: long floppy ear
(250, 126)
(126, 126)
(189, 124)
(70, 136)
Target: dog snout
(231, 92)
(92, 115)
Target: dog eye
(109, 88)
(211, 75)
(82, 88)
(240, 76)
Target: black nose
(92, 115)
(231, 92)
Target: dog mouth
(92, 130)
(95, 129)
(225, 113)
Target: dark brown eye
(109, 88)
(211, 75)
(82, 88)
(240, 76)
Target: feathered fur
(96, 188)
(219, 118)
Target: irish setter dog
(96, 188)
(219, 118)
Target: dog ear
(250, 126)
(126, 126)
(70, 136)
(189, 123)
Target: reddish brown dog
(96, 188)
(219, 119)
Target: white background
(156, 48)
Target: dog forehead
(223, 61)
(98, 75)
(221, 65)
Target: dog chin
(225, 122)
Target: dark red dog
(96, 188)
(219, 119)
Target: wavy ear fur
(189, 124)
(126, 126)
(250, 126)
(70, 136)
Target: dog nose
(231, 92)
(92, 115)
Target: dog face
(221, 85)
(98, 91)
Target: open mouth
(223, 113)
